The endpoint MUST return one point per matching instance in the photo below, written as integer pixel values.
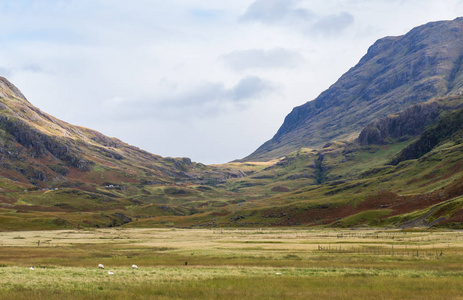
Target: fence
(386, 251)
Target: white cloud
(207, 100)
(277, 12)
(333, 24)
(290, 13)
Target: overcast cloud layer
(210, 80)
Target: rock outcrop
(408, 123)
(449, 127)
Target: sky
(206, 79)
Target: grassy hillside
(57, 175)
(54, 174)
(346, 184)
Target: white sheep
(31, 268)
(100, 266)
(134, 267)
(110, 273)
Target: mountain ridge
(396, 72)
(28, 134)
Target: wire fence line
(339, 249)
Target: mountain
(48, 166)
(400, 164)
(396, 73)
(404, 170)
(39, 149)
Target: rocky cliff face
(408, 123)
(448, 128)
(396, 73)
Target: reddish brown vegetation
(280, 188)
(329, 213)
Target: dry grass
(229, 263)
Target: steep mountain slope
(396, 72)
(40, 149)
(450, 127)
(409, 177)
(56, 175)
(51, 169)
(382, 143)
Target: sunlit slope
(50, 168)
(43, 150)
(357, 183)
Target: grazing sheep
(134, 267)
(100, 266)
(31, 268)
(110, 273)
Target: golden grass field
(231, 264)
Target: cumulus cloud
(277, 11)
(289, 13)
(262, 59)
(249, 88)
(209, 99)
(333, 24)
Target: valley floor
(231, 264)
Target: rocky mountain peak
(396, 73)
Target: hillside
(396, 73)
(48, 165)
(47, 152)
(401, 167)
(404, 170)
(406, 180)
